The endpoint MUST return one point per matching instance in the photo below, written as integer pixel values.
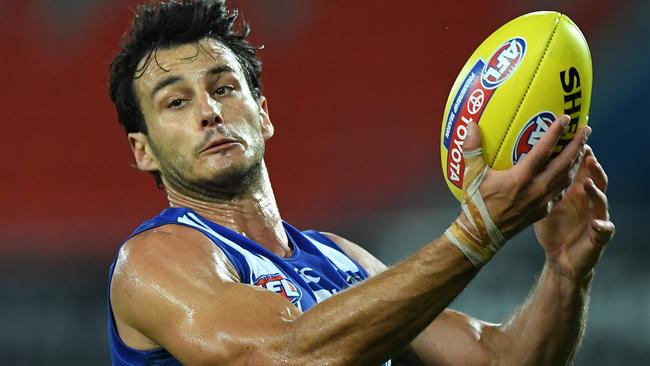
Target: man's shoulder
(163, 241)
(164, 250)
(154, 270)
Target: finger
(588, 150)
(561, 173)
(597, 173)
(604, 231)
(598, 200)
(577, 165)
(560, 167)
(475, 165)
(541, 152)
(473, 138)
(579, 171)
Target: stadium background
(356, 91)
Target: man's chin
(233, 179)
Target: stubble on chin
(233, 180)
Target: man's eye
(176, 103)
(224, 90)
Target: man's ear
(267, 127)
(144, 158)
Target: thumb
(475, 166)
(473, 138)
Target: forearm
(548, 327)
(376, 319)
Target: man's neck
(253, 214)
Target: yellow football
(530, 71)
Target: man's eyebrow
(173, 78)
(164, 83)
(219, 69)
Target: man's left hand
(577, 228)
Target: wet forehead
(191, 60)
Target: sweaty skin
(173, 288)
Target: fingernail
(564, 120)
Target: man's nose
(210, 111)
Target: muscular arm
(173, 287)
(545, 330)
(548, 327)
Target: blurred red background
(357, 113)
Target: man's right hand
(520, 196)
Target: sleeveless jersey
(316, 270)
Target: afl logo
(503, 63)
(530, 134)
(281, 285)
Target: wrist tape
(478, 238)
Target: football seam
(548, 44)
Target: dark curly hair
(169, 23)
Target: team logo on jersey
(281, 285)
(503, 63)
(530, 134)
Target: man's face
(205, 129)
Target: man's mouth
(218, 145)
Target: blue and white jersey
(316, 270)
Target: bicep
(183, 298)
(244, 325)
